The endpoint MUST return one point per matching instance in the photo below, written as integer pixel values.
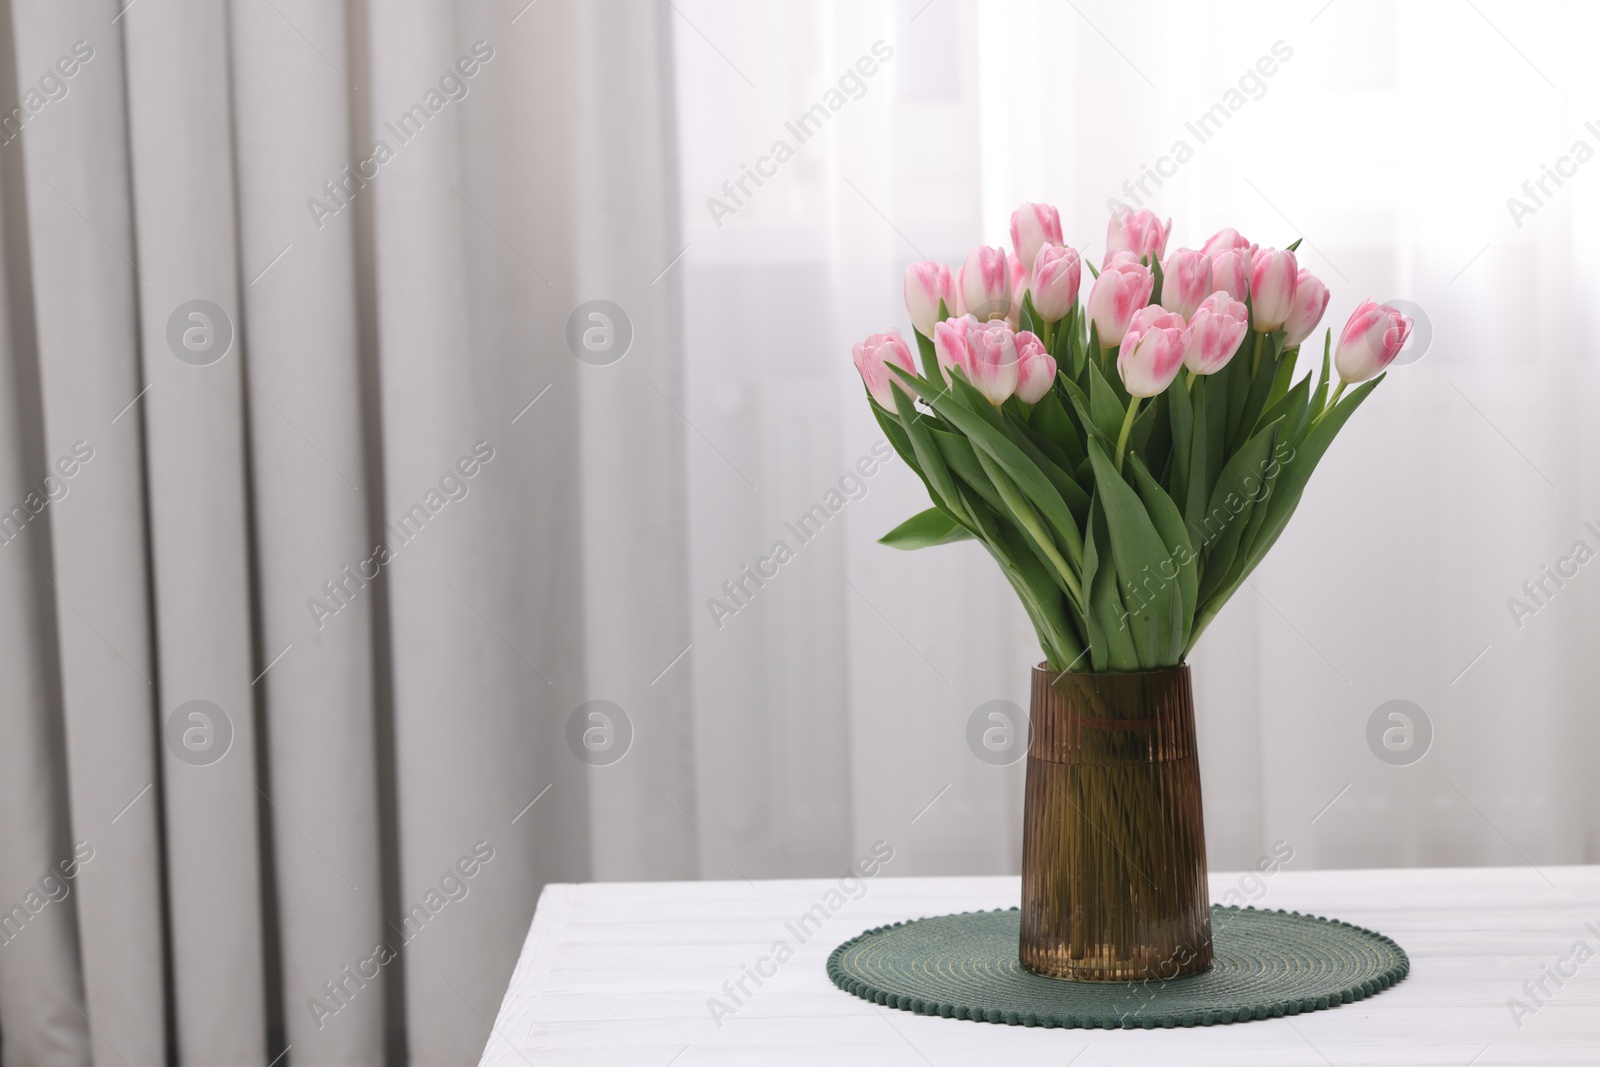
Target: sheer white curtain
(832, 706)
(382, 357)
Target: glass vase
(1113, 852)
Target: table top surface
(626, 973)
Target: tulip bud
(1032, 227)
(1230, 272)
(1057, 274)
(1225, 240)
(950, 343)
(1310, 301)
(983, 285)
(1215, 331)
(1036, 370)
(926, 284)
(1185, 281)
(991, 363)
(872, 357)
(1272, 280)
(1152, 350)
(1121, 289)
(1371, 339)
(1139, 232)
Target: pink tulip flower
(1057, 274)
(1019, 287)
(983, 285)
(1310, 301)
(1371, 339)
(1225, 240)
(1216, 329)
(1273, 275)
(926, 284)
(1139, 232)
(1230, 272)
(950, 343)
(1185, 281)
(1152, 350)
(873, 357)
(1122, 289)
(991, 363)
(1036, 370)
(1032, 227)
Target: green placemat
(1268, 964)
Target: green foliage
(1120, 564)
(936, 526)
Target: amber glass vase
(1113, 847)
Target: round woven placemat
(1268, 964)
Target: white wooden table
(621, 973)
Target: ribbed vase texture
(1113, 848)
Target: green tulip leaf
(992, 441)
(1051, 420)
(1261, 383)
(896, 434)
(1239, 488)
(928, 354)
(1281, 381)
(1305, 455)
(1027, 518)
(932, 464)
(1112, 647)
(1181, 564)
(1105, 408)
(1061, 343)
(1029, 319)
(1236, 379)
(1041, 598)
(936, 526)
(1054, 465)
(1205, 451)
(1291, 408)
(1153, 605)
(1319, 397)
(1180, 413)
(1281, 504)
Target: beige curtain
(285, 282)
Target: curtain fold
(39, 979)
(192, 360)
(310, 484)
(458, 653)
(640, 655)
(75, 208)
(326, 558)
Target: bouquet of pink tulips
(1127, 461)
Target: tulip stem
(1336, 394)
(1127, 427)
(1255, 356)
(1188, 381)
(1332, 402)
